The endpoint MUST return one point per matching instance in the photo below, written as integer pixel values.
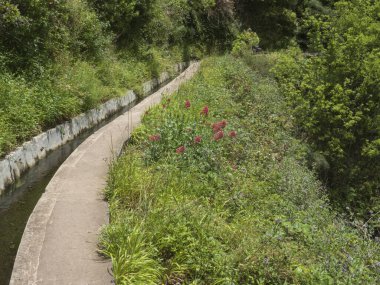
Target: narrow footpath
(59, 244)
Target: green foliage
(336, 102)
(244, 42)
(240, 210)
(126, 18)
(57, 58)
(162, 23)
(274, 21)
(37, 32)
(279, 23)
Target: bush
(244, 43)
(335, 99)
(274, 21)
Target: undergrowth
(214, 189)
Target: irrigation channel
(19, 199)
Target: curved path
(59, 244)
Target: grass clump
(222, 195)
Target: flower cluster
(217, 129)
(219, 135)
(198, 139)
(181, 149)
(204, 111)
(219, 126)
(232, 134)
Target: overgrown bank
(213, 189)
(29, 108)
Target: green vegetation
(60, 58)
(214, 189)
(245, 209)
(280, 23)
(335, 97)
(244, 43)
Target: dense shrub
(244, 43)
(174, 22)
(35, 33)
(222, 195)
(336, 101)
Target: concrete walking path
(59, 244)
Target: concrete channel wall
(27, 155)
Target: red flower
(219, 135)
(216, 127)
(168, 100)
(232, 134)
(187, 104)
(204, 111)
(197, 139)
(154, 138)
(164, 106)
(181, 149)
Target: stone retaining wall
(27, 155)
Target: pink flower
(154, 138)
(219, 135)
(181, 149)
(204, 111)
(187, 104)
(197, 139)
(232, 134)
